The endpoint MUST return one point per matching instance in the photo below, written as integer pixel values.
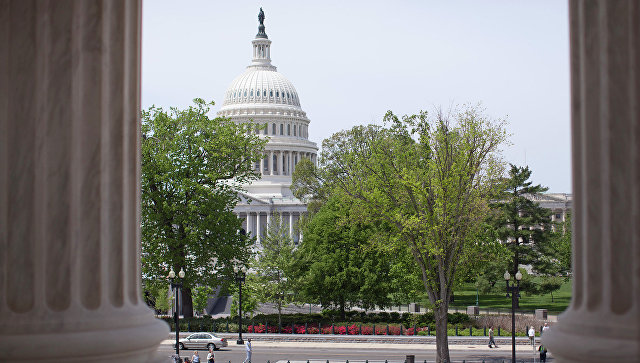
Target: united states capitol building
(264, 97)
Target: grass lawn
(497, 299)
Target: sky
(351, 61)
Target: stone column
(281, 163)
(268, 219)
(70, 184)
(270, 162)
(258, 229)
(602, 323)
(289, 163)
(262, 165)
(291, 225)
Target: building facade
(264, 97)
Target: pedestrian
(186, 360)
(210, 356)
(195, 358)
(491, 340)
(544, 328)
(248, 348)
(543, 354)
(532, 336)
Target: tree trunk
(442, 339)
(186, 304)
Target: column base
(127, 344)
(578, 339)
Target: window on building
(273, 129)
(277, 93)
(281, 129)
(288, 130)
(294, 130)
(271, 93)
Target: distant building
(264, 97)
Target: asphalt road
(354, 353)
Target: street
(354, 352)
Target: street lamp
(240, 272)
(176, 285)
(515, 294)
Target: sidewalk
(363, 340)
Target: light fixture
(181, 273)
(172, 274)
(518, 276)
(507, 276)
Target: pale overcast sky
(351, 61)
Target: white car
(202, 341)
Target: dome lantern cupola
(261, 45)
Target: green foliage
(521, 222)
(560, 247)
(192, 167)
(162, 298)
(337, 266)
(249, 297)
(429, 180)
(200, 297)
(275, 278)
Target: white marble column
(268, 219)
(289, 162)
(270, 162)
(281, 163)
(291, 225)
(262, 165)
(70, 184)
(602, 323)
(258, 228)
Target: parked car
(202, 341)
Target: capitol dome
(264, 97)
(261, 85)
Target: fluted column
(602, 323)
(70, 184)
(262, 165)
(281, 163)
(270, 162)
(291, 225)
(258, 229)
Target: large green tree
(339, 268)
(275, 279)
(192, 167)
(429, 179)
(522, 223)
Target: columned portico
(70, 184)
(602, 323)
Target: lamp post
(176, 284)
(240, 272)
(515, 294)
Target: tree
(201, 297)
(522, 223)
(338, 267)
(429, 180)
(274, 266)
(192, 168)
(561, 246)
(249, 297)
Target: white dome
(261, 84)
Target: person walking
(532, 336)
(249, 350)
(491, 340)
(543, 354)
(210, 356)
(544, 328)
(195, 358)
